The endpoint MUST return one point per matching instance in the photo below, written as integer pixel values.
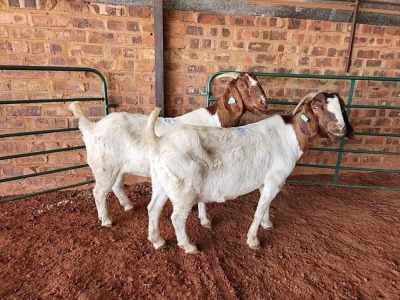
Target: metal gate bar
(103, 98)
(340, 150)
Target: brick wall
(119, 42)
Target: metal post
(159, 53)
(340, 153)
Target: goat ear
(233, 101)
(309, 121)
(349, 128)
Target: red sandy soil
(328, 243)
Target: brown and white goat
(192, 164)
(116, 145)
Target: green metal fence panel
(103, 98)
(340, 151)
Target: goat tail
(84, 123)
(152, 138)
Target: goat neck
(227, 116)
(305, 125)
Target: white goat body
(199, 164)
(116, 145)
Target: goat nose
(341, 129)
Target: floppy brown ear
(308, 121)
(349, 128)
(231, 105)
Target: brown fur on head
(243, 93)
(309, 128)
(230, 113)
(327, 120)
(254, 98)
(319, 119)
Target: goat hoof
(254, 244)
(129, 208)
(206, 224)
(161, 244)
(107, 224)
(191, 249)
(267, 225)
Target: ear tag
(231, 100)
(304, 117)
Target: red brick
(392, 30)
(99, 38)
(76, 87)
(148, 28)
(139, 12)
(92, 49)
(367, 28)
(194, 30)
(51, 123)
(6, 17)
(319, 51)
(241, 20)
(13, 171)
(174, 42)
(133, 26)
(30, 3)
(14, 3)
(137, 40)
(259, 47)
(38, 86)
(373, 63)
(66, 158)
(181, 16)
(5, 46)
(50, 21)
(22, 111)
(211, 19)
(176, 29)
(18, 85)
(12, 123)
(238, 45)
(88, 23)
(102, 65)
(144, 66)
(194, 43)
(19, 46)
(81, 36)
(267, 59)
(148, 41)
(294, 24)
(379, 30)
(116, 25)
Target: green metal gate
(336, 167)
(103, 98)
(341, 149)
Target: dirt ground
(328, 243)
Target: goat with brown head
(324, 114)
(243, 93)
